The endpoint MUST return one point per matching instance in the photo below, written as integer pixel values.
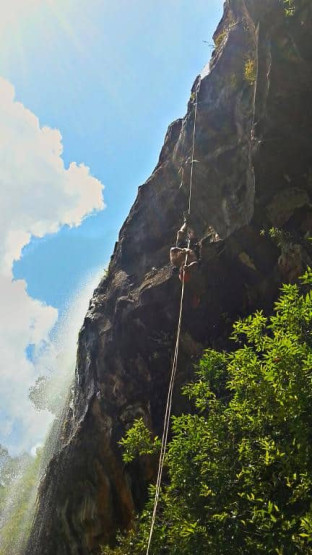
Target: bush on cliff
(240, 467)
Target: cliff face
(253, 172)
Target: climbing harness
(175, 358)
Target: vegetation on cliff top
(240, 467)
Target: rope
(167, 419)
(174, 364)
(192, 161)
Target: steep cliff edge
(253, 172)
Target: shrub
(250, 71)
(289, 7)
(220, 38)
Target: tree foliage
(138, 441)
(240, 467)
(19, 477)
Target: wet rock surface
(253, 171)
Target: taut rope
(175, 361)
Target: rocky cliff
(253, 171)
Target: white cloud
(23, 321)
(38, 195)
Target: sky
(87, 91)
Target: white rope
(174, 364)
(166, 420)
(192, 161)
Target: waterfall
(18, 499)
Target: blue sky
(108, 77)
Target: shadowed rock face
(253, 172)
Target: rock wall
(253, 171)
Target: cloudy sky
(87, 90)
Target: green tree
(19, 478)
(240, 467)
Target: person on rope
(185, 256)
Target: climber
(179, 256)
(186, 254)
(187, 272)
